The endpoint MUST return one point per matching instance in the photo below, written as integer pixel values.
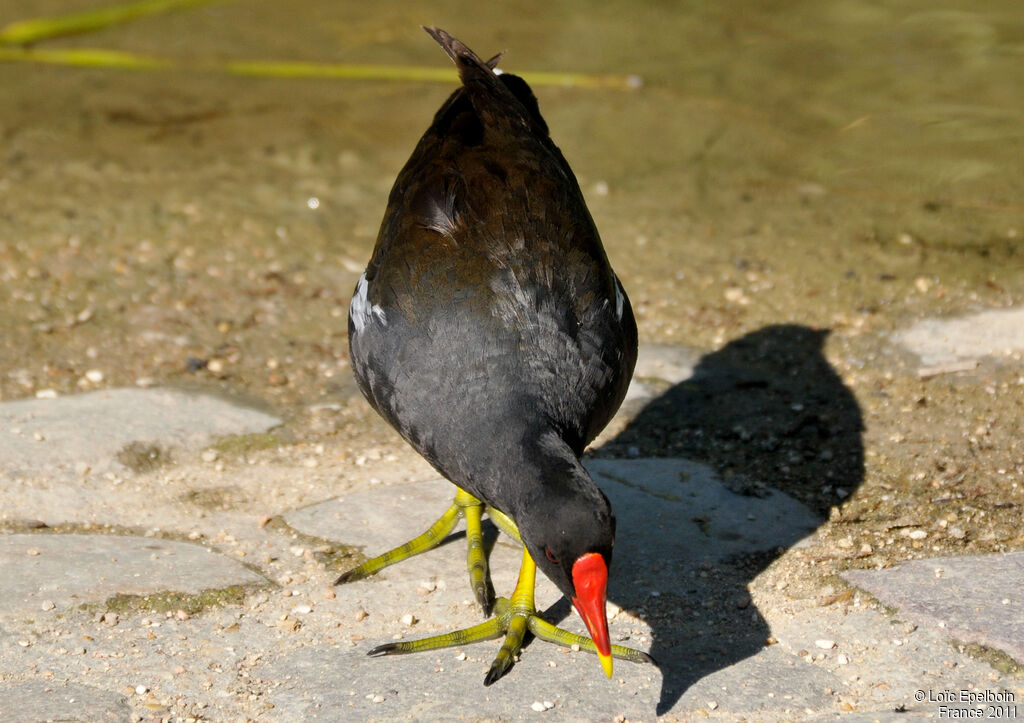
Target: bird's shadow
(765, 412)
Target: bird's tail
(496, 96)
(471, 68)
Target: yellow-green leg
(504, 523)
(476, 558)
(465, 506)
(513, 617)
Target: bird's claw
(513, 618)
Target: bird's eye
(550, 555)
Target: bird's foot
(465, 506)
(512, 618)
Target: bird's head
(570, 537)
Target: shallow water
(846, 165)
(815, 147)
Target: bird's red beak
(590, 578)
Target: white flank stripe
(360, 311)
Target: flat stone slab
(661, 363)
(969, 599)
(344, 684)
(771, 681)
(33, 701)
(70, 569)
(879, 664)
(42, 434)
(946, 341)
(672, 364)
(679, 510)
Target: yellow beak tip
(606, 664)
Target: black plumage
(489, 328)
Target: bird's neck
(549, 473)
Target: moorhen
(491, 332)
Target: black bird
(491, 332)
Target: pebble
(47, 605)
(735, 295)
(302, 609)
(94, 375)
(209, 455)
(287, 623)
(409, 619)
(825, 644)
(842, 659)
(141, 689)
(361, 615)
